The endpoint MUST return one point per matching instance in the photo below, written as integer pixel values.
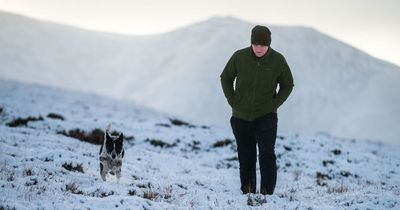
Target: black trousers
(249, 134)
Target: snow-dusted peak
(338, 89)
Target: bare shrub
(27, 172)
(339, 189)
(96, 136)
(11, 177)
(100, 193)
(132, 192)
(31, 182)
(6, 207)
(160, 143)
(23, 121)
(178, 122)
(156, 194)
(327, 162)
(73, 188)
(163, 125)
(151, 195)
(70, 167)
(222, 143)
(168, 192)
(55, 116)
(321, 178)
(336, 151)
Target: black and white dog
(111, 154)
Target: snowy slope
(172, 166)
(338, 89)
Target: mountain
(338, 89)
(50, 140)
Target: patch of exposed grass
(55, 116)
(73, 188)
(23, 121)
(222, 143)
(178, 122)
(70, 167)
(160, 143)
(96, 136)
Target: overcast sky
(370, 25)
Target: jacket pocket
(235, 101)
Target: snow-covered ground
(170, 165)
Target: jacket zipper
(254, 90)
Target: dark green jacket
(256, 82)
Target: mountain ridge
(178, 72)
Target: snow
(315, 171)
(338, 89)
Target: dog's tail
(108, 129)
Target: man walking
(258, 70)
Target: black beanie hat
(261, 35)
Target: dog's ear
(108, 137)
(109, 143)
(119, 144)
(120, 137)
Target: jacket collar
(263, 57)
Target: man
(258, 70)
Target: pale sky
(370, 25)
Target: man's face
(259, 50)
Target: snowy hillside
(338, 89)
(170, 164)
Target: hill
(338, 89)
(48, 162)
